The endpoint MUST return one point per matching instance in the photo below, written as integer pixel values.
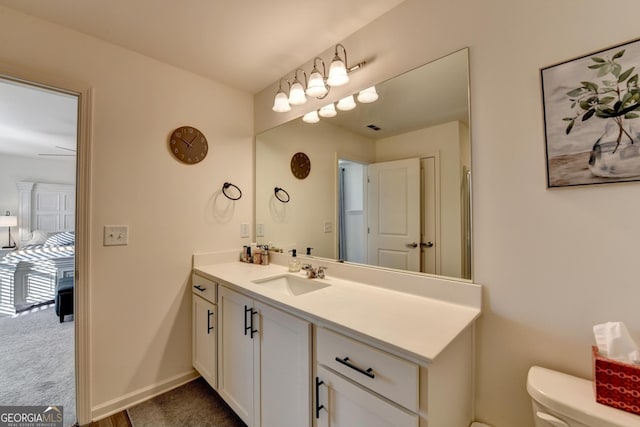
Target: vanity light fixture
(317, 86)
(296, 92)
(281, 101)
(338, 69)
(368, 95)
(328, 111)
(311, 117)
(347, 103)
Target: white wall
(15, 168)
(139, 298)
(553, 262)
(301, 221)
(445, 140)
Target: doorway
(53, 216)
(405, 192)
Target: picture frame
(592, 117)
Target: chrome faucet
(313, 273)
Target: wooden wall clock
(300, 165)
(188, 145)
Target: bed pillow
(64, 238)
(38, 237)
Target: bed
(46, 246)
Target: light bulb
(337, 73)
(316, 87)
(368, 95)
(328, 111)
(281, 103)
(296, 94)
(311, 117)
(347, 103)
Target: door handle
(412, 245)
(200, 288)
(426, 245)
(318, 405)
(209, 327)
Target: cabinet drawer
(207, 289)
(340, 403)
(386, 374)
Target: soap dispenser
(294, 262)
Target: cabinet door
(285, 368)
(236, 348)
(345, 404)
(204, 339)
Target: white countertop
(415, 326)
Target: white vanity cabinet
(359, 384)
(204, 335)
(263, 362)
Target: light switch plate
(244, 230)
(116, 235)
(328, 227)
(259, 230)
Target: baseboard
(131, 399)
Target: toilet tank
(561, 400)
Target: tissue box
(616, 384)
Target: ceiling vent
(374, 127)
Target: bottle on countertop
(294, 262)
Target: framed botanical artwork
(592, 117)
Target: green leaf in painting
(618, 55)
(625, 75)
(575, 92)
(569, 127)
(588, 115)
(606, 69)
(631, 116)
(607, 99)
(596, 59)
(616, 69)
(590, 86)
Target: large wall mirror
(389, 183)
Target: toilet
(561, 400)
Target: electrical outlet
(116, 235)
(259, 230)
(328, 227)
(244, 230)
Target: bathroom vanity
(360, 347)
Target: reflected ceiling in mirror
(422, 114)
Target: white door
(204, 339)
(236, 348)
(429, 217)
(285, 359)
(394, 214)
(340, 403)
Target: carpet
(194, 404)
(37, 361)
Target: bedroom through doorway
(38, 170)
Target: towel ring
(277, 190)
(227, 185)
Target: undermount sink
(289, 284)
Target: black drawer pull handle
(345, 362)
(248, 325)
(200, 288)
(209, 327)
(318, 405)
